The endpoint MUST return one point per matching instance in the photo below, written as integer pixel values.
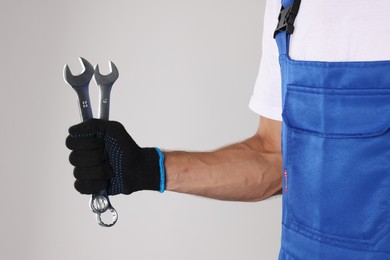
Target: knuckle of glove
(99, 172)
(90, 187)
(87, 158)
(90, 126)
(83, 144)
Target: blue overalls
(336, 156)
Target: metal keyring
(99, 204)
(114, 218)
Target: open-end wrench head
(109, 78)
(79, 80)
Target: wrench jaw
(108, 79)
(81, 80)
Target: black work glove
(106, 157)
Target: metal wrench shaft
(105, 84)
(80, 84)
(84, 103)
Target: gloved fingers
(91, 186)
(99, 172)
(83, 144)
(88, 158)
(91, 126)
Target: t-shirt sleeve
(266, 99)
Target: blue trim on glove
(162, 169)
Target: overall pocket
(338, 163)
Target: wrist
(146, 173)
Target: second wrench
(100, 202)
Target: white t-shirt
(325, 30)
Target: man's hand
(106, 157)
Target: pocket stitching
(324, 91)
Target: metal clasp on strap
(287, 17)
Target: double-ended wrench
(99, 202)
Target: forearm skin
(245, 171)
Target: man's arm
(245, 171)
(105, 156)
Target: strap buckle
(287, 17)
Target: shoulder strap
(287, 16)
(285, 27)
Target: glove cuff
(147, 174)
(162, 169)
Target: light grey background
(187, 69)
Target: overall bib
(336, 155)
